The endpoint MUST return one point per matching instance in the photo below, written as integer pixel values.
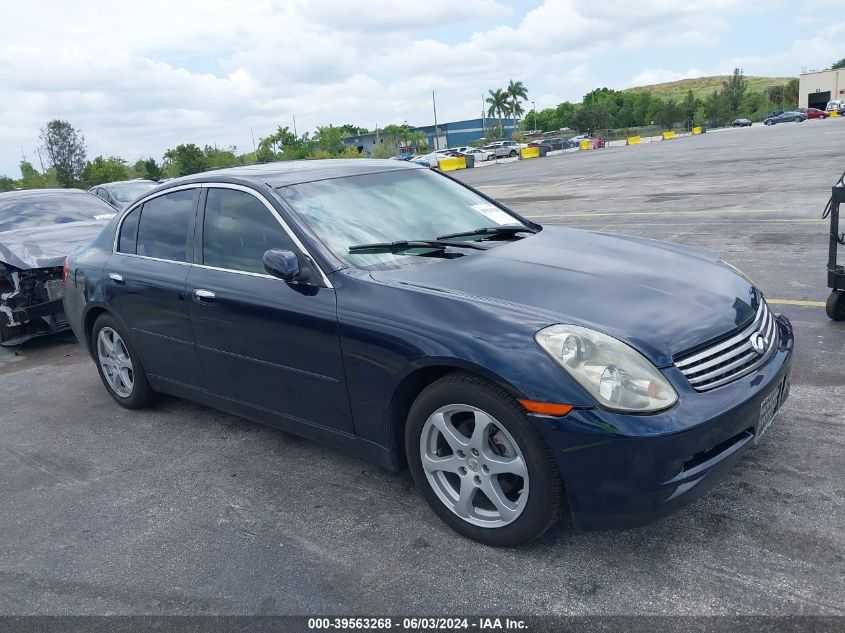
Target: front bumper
(19, 325)
(627, 470)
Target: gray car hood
(46, 246)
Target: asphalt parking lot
(185, 510)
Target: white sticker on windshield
(496, 215)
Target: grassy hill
(703, 86)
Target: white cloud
(138, 79)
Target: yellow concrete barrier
(634, 140)
(669, 134)
(834, 113)
(585, 144)
(696, 130)
(451, 164)
(530, 152)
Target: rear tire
(119, 365)
(442, 425)
(512, 153)
(835, 306)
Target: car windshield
(31, 210)
(127, 192)
(391, 206)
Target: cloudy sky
(139, 77)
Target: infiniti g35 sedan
(524, 373)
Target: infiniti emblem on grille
(759, 343)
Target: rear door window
(164, 227)
(238, 229)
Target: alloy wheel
(474, 466)
(115, 362)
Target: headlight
(738, 272)
(615, 374)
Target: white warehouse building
(817, 88)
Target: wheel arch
(412, 384)
(89, 318)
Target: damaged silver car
(38, 228)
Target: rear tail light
(65, 270)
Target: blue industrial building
(451, 134)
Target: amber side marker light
(546, 408)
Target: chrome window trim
(219, 185)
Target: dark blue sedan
(785, 117)
(523, 373)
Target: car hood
(661, 298)
(46, 246)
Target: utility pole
(294, 125)
(534, 106)
(253, 139)
(434, 105)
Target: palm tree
(516, 92)
(498, 102)
(790, 92)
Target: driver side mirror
(285, 265)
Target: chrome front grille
(733, 357)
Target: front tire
(119, 365)
(480, 464)
(512, 153)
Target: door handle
(116, 278)
(204, 296)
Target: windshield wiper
(509, 231)
(404, 245)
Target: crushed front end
(30, 303)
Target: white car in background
(479, 154)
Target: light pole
(534, 107)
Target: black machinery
(835, 306)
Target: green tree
(65, 148)
(7, 184)
(839, 64)
(790, 93)
(330, 139)
(733, 90)
(716, 109)
(775, 94)
(700, 116)
(498, 102)
(689, 106)
(102, 170)
(186, 159)
(218, 157)
(668, 113)
(31, 178)
(152, 170)
(593, 116)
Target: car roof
(285, 173)
(118, 183)
(33, 193)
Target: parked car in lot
(575, 141)
(835, 106)
(813, 113)
(120, 194)
(786, 117)
(38, 228)
(503, 149)
(741, 123)
(523, 372)
(480, 154)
